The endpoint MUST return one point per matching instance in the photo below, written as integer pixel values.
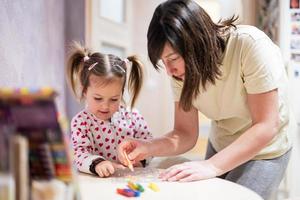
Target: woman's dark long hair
(192, 34)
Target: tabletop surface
(92, 187)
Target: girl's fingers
(118, 166)
(99, 172)
(110, 169)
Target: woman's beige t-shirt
(252, 64)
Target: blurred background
(34, 39)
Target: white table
(92, 187)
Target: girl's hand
(136, 150)
(107, 168)
(190, 171)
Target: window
(113, 10)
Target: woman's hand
(136, 150)
(190, 171)
(107, 168)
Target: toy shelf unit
(34, 151)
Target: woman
(235, 76)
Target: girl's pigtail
(135, 80)
(75, 64)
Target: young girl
(97, 130)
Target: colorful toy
(128, 192)
(137, 187)
(153, 187)
(132, 186)
(34, 115)
(140, 187)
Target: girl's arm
(82, 145)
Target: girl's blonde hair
(82, 63)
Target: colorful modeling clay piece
(140, 187)
(153, 187)
(128, 192)
(132, 186)
(136, 193)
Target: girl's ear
(84, 94)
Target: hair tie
(123, 70)
(92, 66)
(126, 60)
(85, 58)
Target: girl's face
(173, 62)
(103, 99)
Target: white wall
(32, 45)
(156, 99)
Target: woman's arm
(181, 139)
(265, 115)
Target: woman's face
(173, 62)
